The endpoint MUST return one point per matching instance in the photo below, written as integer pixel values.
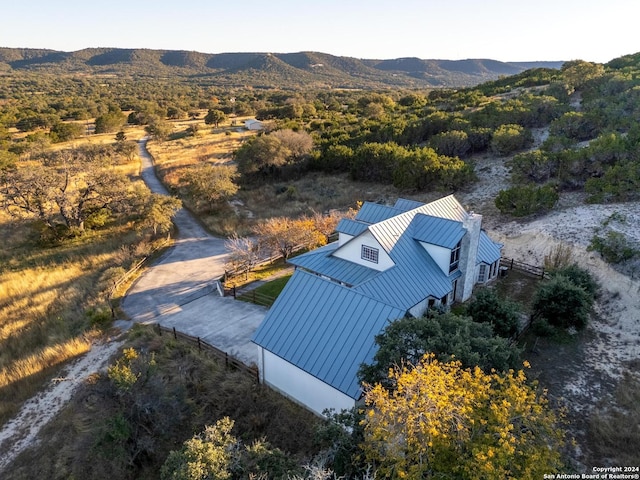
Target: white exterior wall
(441, 255)
(352, 251)
(419, 309)
(343, 238)
(298, 385)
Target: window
(455, 258)
(369, 253)
(482, 276)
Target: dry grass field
(53, 298)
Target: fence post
(226, 359)
(511, 268)
(199, 345)
(234, 292)
(175, 334)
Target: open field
(54, 299)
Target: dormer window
(369, 254)
(455, 258)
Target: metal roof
(321, 262)
(488, 250)
(374, 212)
(327, 329)
(437, 231)
(332, 336)
(414, 277)
(445, 207)
(351, 227)
(406, 205)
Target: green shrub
(562, 303)
(525, 200)
(447, 336)
(580, 277)
(614, 247)
(510, 138)
(487, 307)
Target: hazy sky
(506, 30)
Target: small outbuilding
(253, 124)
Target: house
(253, 124)
(388, 262)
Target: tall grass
(108, 431)
(45, 294)
(614, 428)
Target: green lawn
(267, 293)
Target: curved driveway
(179, 289)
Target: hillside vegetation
(270, 70)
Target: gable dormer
(365, 250)
(441, 238)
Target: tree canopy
(407, 340)
(443, 421)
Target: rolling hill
(289, 70)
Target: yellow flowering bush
(443, 421)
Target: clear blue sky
(506, 30)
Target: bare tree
(244, 253)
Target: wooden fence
(229, 361)
(229, 274)
(129, 273)
(513, 264)
(257, 297)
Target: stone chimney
(468, 256)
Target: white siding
(300, 386)
(441, 255)
(352, 252)
(343, 238)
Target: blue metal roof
(320, 261)
(415, 277)
(437, 231)
(406, 205)
(332, 336)
(488, 250)
(374, 212)
(351, 227)
(327, 329)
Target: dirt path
(22, 431)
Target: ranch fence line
(229, 360)
(126, 275)
(512, 264)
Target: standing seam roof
(334, 334)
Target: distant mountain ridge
(267, 69)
